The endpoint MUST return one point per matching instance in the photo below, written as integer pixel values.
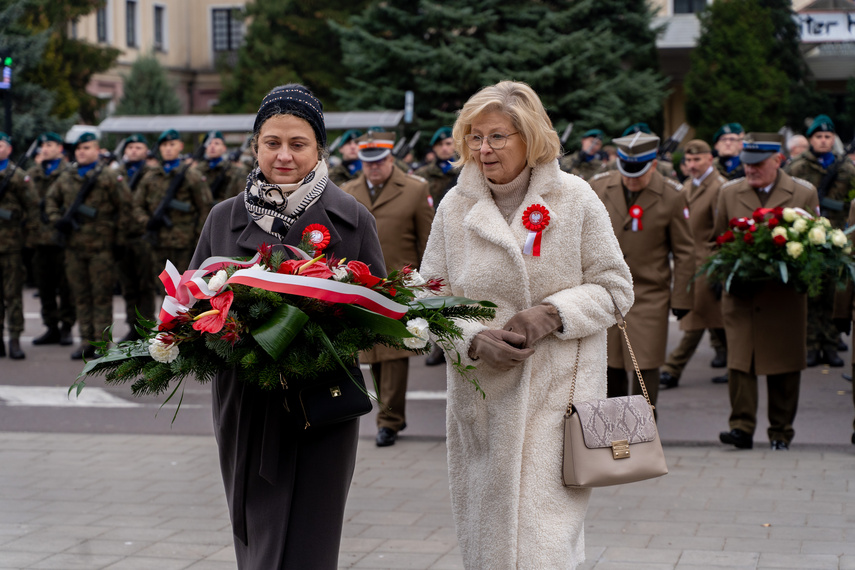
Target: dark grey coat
(276, 474)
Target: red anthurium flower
(211, 321)
(361, 274)
(293, 266)
(779, 240)
(748, 237)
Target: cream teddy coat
(504, 452)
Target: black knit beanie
(293, 99)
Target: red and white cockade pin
(318, 236)
(535, 219)
(635, 213)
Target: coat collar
(780, 195)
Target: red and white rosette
(535, 219)
(635, 213)
(318, 236)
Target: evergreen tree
(735, 72)
(286, 41)
(148, 90)
(592, 62)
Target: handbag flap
(614, 419)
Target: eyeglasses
(496, 141)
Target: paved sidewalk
(147, 502)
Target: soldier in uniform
(174, 234)
(401, 205)
(765, 323)
(833, 177)
(225, 178)
(49, 257)
(19, 206)
(439, 172)
(702, 193)
(90, 205)
(727, 143)
(650, 218)
(664, 167)
(590, 160)
(350, 166)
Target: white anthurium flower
(420, 329)
(339, 273)
(161, 351)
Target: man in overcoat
(401, 205)
(765, 324)
(702, 192)
(650, 217)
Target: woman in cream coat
(504, 451)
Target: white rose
(800, 225)
(779, 231)
(419, 328)
(847, 250)
(825, 222)
(816, 235)
(838, 238)
(161, 351)
(789, 214)
(339, 273)
(414, 279)
(218, 280)
(795, 249)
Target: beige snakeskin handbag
(613, 440)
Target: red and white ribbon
(535, 219)
(635, 213)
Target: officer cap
(596, 133)
(697, 146)
(728, 129)
(637, 128)
(375, 146)
(85, 137)
(757, 147)
(50, 136)
(822, 123)
(636, 153)
(440, 135)
(168, 135)
(136, 138)
(350, 135)
(5, 138)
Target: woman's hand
(499, 348)
(535, 323)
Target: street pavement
(103, 483)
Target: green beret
(350, 135)
(596, 133)
(136, 138)
(440, 135)
(822, 123)
(5, 138)
(168, 135)
(85, 137)
(216, 135)
(50, 136)
(376, 130)
(637, 128)
(728, 129)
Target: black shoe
(738, 438)
(841, 346)
(853, 438)
(831, 358)
(52, 336)
(436, 357)
(386, 437)
(779, 445)
(2, 348)
(720, 360)
(667, 381)
(847, 377)
(87, 352)
(812, 358)
(65, 338)
(15, 352)
(719, 379)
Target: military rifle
(335, 144)
(828, 179)
(6, 215)
(566, 134)
(160, 217)
(235, 155)
(407, 148)
(68, 222)
(672, 142)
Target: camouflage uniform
(340, 173)
(225, 180)
(585, 169)
(89, 261)
(440, 182)
(193, 202)
(821, 332)
(18, 209)
(49, 257)
(738, 172)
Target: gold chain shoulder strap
(621, 324)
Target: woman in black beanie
(286, 487)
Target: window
(160, 28)
(689, 6)
(131, 22)
(227, 29)
(101, 23)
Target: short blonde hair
(522, 105)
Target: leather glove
(535, 323)
(64, 226)
(679, 313)
(843, 325)
(499, 348)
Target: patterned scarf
(276, 207)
